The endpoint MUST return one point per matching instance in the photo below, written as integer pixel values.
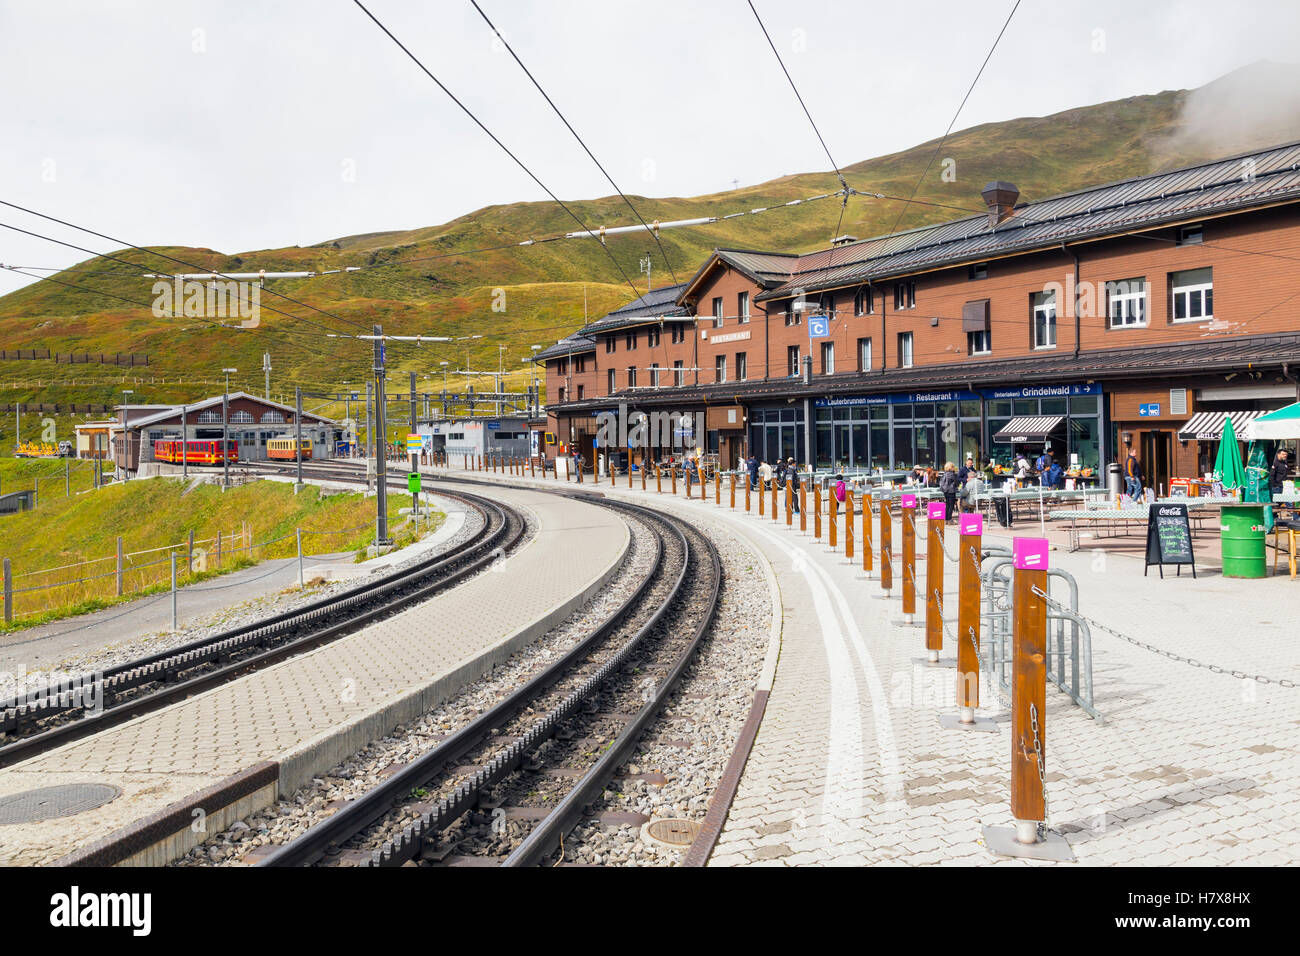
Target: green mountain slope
(450, 293)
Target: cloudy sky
(240, 125)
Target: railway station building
(1136, 314)
(253, 421)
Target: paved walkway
(311, 711)
(851, 765)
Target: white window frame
(654, 375)
(631, 377)
(984, 336)
(720, 369)
(679, 372)
(742, 366)
(1044, 304)
(718, 312)
(865, 358)
(742, 307)
(613, 381)
(905, 350)
(793, 358)
(1115, 297)
(828, 353)
(1198, 289)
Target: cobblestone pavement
(193, 744)
(851, 765)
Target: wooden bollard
(611, 474)
(688, 482)
(532, 467)
(886, 547)
(643, 474)
(774, 483)
(935, 512)
(832, 520)
(789, 503)
(659, 480)
(817, 512)
(970, 542)
(803, 508)
(629, 471)
(908, 505)
(762, 496)
(717, 488)
(733, 491)
(867, 556)
(704, 487)
(848, 524)
(747, 491)
(1028, 685)
(672, 473)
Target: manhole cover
(47, 803)
(671, 832)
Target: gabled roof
(575, 344)
(1132, 205)
(765, 269)
(655, 304)
(171, 411)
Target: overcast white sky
(240, 125)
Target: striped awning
(1208, 426)
(1028, 428)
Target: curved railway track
(43, 719)
(566, 731)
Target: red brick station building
(1134, 314)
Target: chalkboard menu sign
(1169, 538)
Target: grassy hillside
(544, 284)
(156, 513)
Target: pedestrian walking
(751, 467)
(949, 485)
(1133, 477)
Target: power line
(944, 139)
(468, 112)
(551, 103)
(163, 255)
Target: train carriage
(281, 449)
(203, 451)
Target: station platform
(850, 765)
(195, 767)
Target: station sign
(1149, 410)
(819, 326)
(958, 395)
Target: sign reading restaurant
(907, 398)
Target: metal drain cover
(671, 831)
(48, 803)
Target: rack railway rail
(44, 718)
(571, 726)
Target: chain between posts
(1212, 668)
(1045, 826)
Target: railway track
(507, 787)
(45, 718)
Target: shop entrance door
(1156, 460)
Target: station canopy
(1208, 426)
(1028, 428)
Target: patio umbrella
(1280, 425)
(1227, 464)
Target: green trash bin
(1242, 535)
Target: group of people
(1045, 467)
(778, 474)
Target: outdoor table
(1113, 516)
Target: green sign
(413, 482)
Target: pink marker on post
(908, 501)
(1029, 554)
(971, 524)
(936, 511)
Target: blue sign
(493, 426)
(819, 326)
(1149, 410)
(908, 398)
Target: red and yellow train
(281, 449)
(204, 451)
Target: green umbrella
(1227, 464)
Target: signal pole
(266, 371)
(297, 428)
(381, 446)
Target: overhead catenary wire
(520, 163)
(584, 146)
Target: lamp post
(536, 401)
(225, 430)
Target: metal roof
(1239, 182)
(655, 304)
(173, 411)
(576, 344)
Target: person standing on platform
(765, 472)
(751, 467)
(792, 474)
(949, 485)
(966, 470)
(1277, 474)
(1133, 477)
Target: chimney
(843, 240)
(1001, 198)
